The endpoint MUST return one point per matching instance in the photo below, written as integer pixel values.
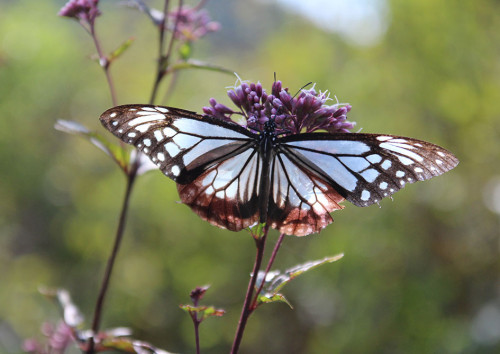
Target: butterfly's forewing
(300, 201)
(215, 163)
(364, 168)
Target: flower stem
(197, 333)
(111, 261)
(104, 62)
(268, 268)
(260, 242)
(163, 59)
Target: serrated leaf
(119, 154)
(197, 64)
(121, 49)
(279, 280)
(269, 298)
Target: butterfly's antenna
(303, 87)
(275, 76)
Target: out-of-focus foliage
(420, 274)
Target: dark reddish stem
(163, 59)
(260, 242)
(104, 62)
(111, 261)
(268, 268)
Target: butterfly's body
(235, 178)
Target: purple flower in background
(192, 23)
(306, 112)
(84, 11)
(58, 340)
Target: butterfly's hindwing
(300, 202)
(227, 194)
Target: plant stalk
(246, 311)
(111, 261)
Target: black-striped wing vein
(364, 168)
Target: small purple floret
(306, 112)
(82, 10)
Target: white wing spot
(418, 144)
(374, 158)
(133, 109)
(365, 195)
(402, 182)
(383, 185)
(161, 156)
(370, 175)
(418, 170)
(172, 149)
(386, 164)
(176, 170)
(149, 109)
(120, 131)
(158, 135)
(439, 162)
(169, 132)
(143, 127)
(146, 150)
(400, 174)
(162, 109)
(115, 123)
(114, 114)
(147, 142)
(145, 119)
(405, 160)
(132, 135)
(384, 138)
(440, 153)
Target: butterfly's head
(270, 127)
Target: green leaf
(269, 298)
(185, 50)
(276, 280)
(204, 311)
(257, 231)
(197, 64)
(121, 49)
(119, 154)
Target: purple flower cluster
(305, 112)
(58, 340)
(192, 23)
(84, 11)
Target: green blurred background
(420, 274)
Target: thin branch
(104, 63)
(111, 261)
(246, 311)
(268, 268)
(163, 59)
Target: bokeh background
(420, 273)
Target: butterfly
(235, 178)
